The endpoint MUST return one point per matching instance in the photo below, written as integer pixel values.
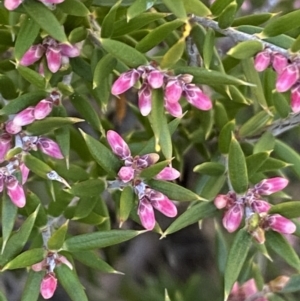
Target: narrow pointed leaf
(272, 164)
(45, 18)
(210, 168)
(74, 8)
(196, 7)
(253, 19)
(225, 136)
(91, 187)
(107, 27)
(265, 143)
(245, 49)
(208, 47)
(98, 240)
(37, 166)
(31, 291)
(138, 7)
(32, 76)
(219, 5)
(255, 161)
(173, 55)
(237, 167)
(57, 239)
(126, 203)
(7, 87)
(236, 258)
(287, 209)
(177, 8)
(227, 16)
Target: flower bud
(168, 174)
(126, 173)
(126, 81)
(53, 57)
(260, 206)
(32, 55)
(262, 60)
(15, 191)
(279, 62)
(162, 203)
(287, 78)
(12, 128)
(259, 235)
(69, 50)
(145, 100)
(233, 217)
(146, 213)
(49, 147)
(196, 97)
(146, 160)
(221, 201)
(173, 108)
(118, 145)
(12, 4)
(269, 186)
(173, 91)
(48, 285)
(42, 109)
(280, 224)
(155, 79)
(24, 117)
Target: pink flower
(279, 62)
(287, 78)
(233, 217)
(145, 100)
(126, 173)
(54, 59)
(118, 145)
(173, 91)
(269, 186)
(260, 206)
(196, 97)
(49, 147)
(280, 224)
(262, 60)
(42, 109)
(5, 145)
(24, 117)
(12, 4)
(48, 285)
(15, 191)
(126, 81)
(32, 55)
(295, 99)
(12, 128)
(174, 108)
(168, 174)
(155, 79)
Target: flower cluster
(174, 87)
(57, 54)
(129, 174)
(288, 74)
(255, 208)
(32, 113)
(13, 4)
(49, 281)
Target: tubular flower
(129, 174)
(174, 88)
(56, 53)
(13, 4)
(255, 208)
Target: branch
(239, 36)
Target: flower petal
(48, 286)
(146, 213)
(118, 145)
(160, 202)
(233, 217)
(168, 174)
(125, 82)
(15, 191)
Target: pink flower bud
(295, 99)
(49, 147)
(126, 81)
(145, 100)
(269, 186)
(262, 60)
(173, 91)
(32, 55)
(15, 191)
(69, 50)
(279, 62)
(48, 285)
(53, 57)
(174, 108)
(146, 213)
(196, 97)
(126, 173)
(160, 202)
(42, 109)
(260, 206)
(155, 79)
(118, 145)
(25, 172)
(12, 128)
(146, 160)
(281, 224)
(24, 117)
(168, 174)
(287, 78)
(12, 4)
(5, 144)
(233, 217)
(221, 201)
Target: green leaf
(220, 115)
(255, 161)
(98, 240)
(49, 124)
(29, 30)
(57, 238)
(77, 34)
(70, 282)
(17, 241)
(73, 8)
(82, 68)
(177, 8)
(192, 215)
(152, 170)
(31, 291)
(222, 249)
(281, 104)
(210, 168)
(138, 7)
(123, 26)
(293, 285)
(211, 186)
(287, 209)
(86, 110)
(236, 258)
(107, 27)
(277, 26)
(196, 7)
(225, 137)
(173, 55)
(245, 49)
(26, 259)
(296, 45)
(272, 164)
(92, 260)
(85, 206)
(22, 102)
(159, 124)
(282, 247)
(174, 191)
(237, 167)
(157, 35)
(37, 166)
(9, 213)
(208, 47)
(7, 87)
(255, 124)
(286, 153)
(32, 76)
(46, 19)
(130, 56)
(227, 16)
(253, 77)
(253, 19)
(91, 187)
(126, 203)
(103, 156)
(265, 143)
(219, 5)
(210, 77)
